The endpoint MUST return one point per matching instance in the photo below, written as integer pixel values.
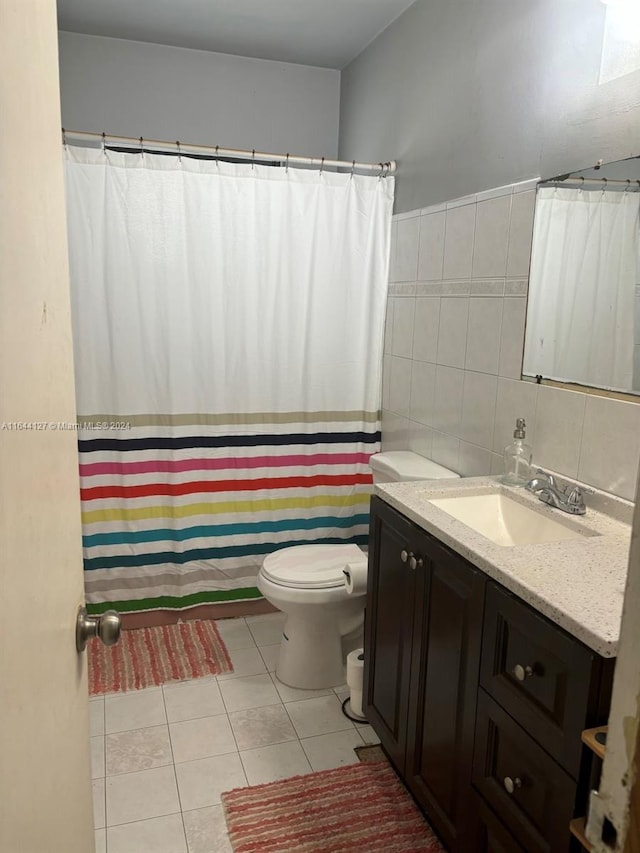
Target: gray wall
(453, 352)
(159, 92)
(474, 94)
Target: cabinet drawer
(532, 794)
(485, 832)
(543, 677)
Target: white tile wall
(491, 242)
(452, 331)
(458, 244)
(431, 248)
(453, 351)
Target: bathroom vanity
(486, 661)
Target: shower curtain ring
(64, 138)
(353, 167)
(322, 165)
(179, 151)
(104, 143)
(604, 186)
(381, 172)
(286, 167)
(253, 159)
(141, 148)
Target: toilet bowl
(307, 583)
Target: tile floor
(161, 757)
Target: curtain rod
(239, 153)
(567, 179)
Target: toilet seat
(310, 566)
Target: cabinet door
(444, 684)
(388, 629)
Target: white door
(45, 787)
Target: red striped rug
(359, 807)
(145, 657)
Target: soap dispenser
(517, 457)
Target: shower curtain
(584, 270)
(228, 325)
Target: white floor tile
(262, 726)
(100, 840)
(245, 662)
(140, 749)
(206, 830)
(97, 757)
(269, 763)
(252, 692)
(201, 738)
(96, 717)
(136, 710)
(274, 616)
(318, 716)
(270, 656)
(202, 782)
(98, 803)
(268, 631)
(235, 634)
(291, 694)
(158, 835)
(188, 700)
(368, 735)
(335, 750)
(142, 795)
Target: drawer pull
(510, 784)
(404, 555)
(415, 562)
(522, 672)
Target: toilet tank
(397, 466)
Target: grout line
(175, 773)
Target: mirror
(583, 311)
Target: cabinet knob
(404, 555)
(522, 672)
(510, 784)
(415, 562)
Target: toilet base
(311, 655)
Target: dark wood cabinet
(485, 833)
(533, 795)
(447, 632)
(389, 628)
(549, 681)
(477, 699)
(423, 632)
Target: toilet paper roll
(355, 672)
(355, 577)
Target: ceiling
(326, 33)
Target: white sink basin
(506, 521)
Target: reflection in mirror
(583, 313)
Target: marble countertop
(579, 584)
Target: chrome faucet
(545, 487)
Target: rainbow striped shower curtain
(228, 324)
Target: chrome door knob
(522, 672)
(510, 785)
(107, 626)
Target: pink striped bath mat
(145, 657)
(358, 807)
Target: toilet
(307, 583)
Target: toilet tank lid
(311, 566)
(406, 465)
